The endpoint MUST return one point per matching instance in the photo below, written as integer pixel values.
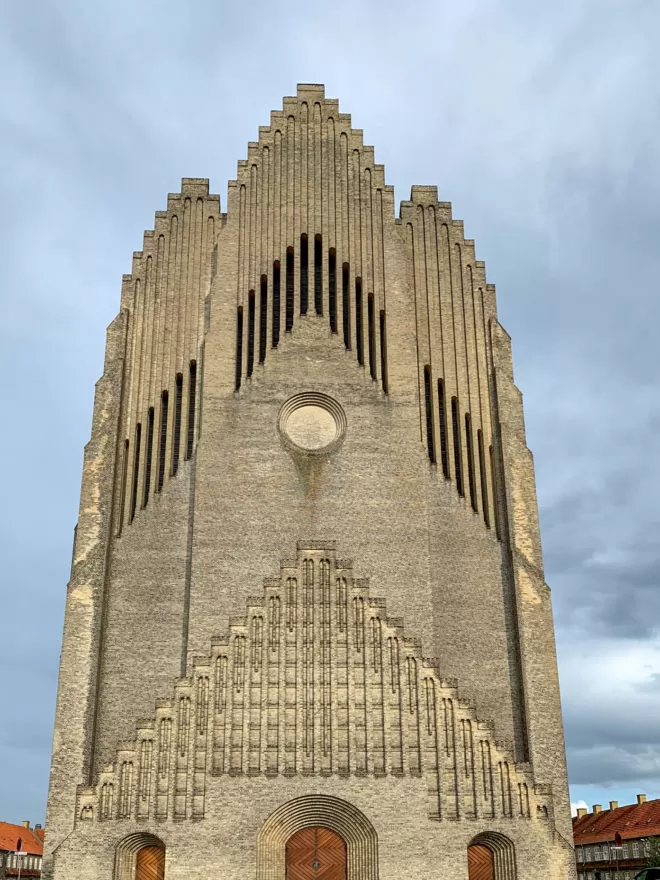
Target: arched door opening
(140, 857)
(491, 856)
(315, 853)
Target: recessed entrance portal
(480, 863)
(315, 854)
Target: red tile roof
(32, 839)
(636, 820)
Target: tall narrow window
(289, 289)
(304, 276)
(192, 394)
(332, 289)
(124, 475)
(458, 452)
(250, 334)
(496, 508)
(442, 423)
(428, 405)
(136, 470)
(162, 446)
(358, 321)
(371, 329)
(470, 459)
(276, 303)
(346, 305)
(263, 318)
(383, 352)
(178, 404)
(482, 474)
(239, 347)
(147, 461)
(318, 275)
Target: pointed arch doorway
(315, 853)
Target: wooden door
(315, 854)
(480, 863)
(150, 863)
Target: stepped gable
(315, 679)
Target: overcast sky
(540, 122)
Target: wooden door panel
(150, 863)
(315, 854)
(480, 863)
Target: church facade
(307, 630)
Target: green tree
(653, 852)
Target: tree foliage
(653, 853)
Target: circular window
(312, 423)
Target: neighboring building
(307, 630)
(600, 854)
(23, 839)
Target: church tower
(307, 632)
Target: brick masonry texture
(261, 637)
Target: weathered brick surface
(167, 556)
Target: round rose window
(312, 423)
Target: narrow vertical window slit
(276, 303)
(428, 402)
(346, 305)
(442, 423)
(332, 289)
(124, 476)
(383, 352)
(136, 470)
(250, 335)
(178, 401)
(192, 395)
(239, 347)
(371, 331)
(289, 289)
(470, 460)
(496, 502)
(149, 453)
(162, 445)
(458, 452)
(318, 276)
(482, 475)
(358, 321)
(263, 318)
(304, 276)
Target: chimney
(37, 826)
(581, 812)
(597, 808)
(641, 798)
(26, 822)
(614, 805)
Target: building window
(263, 318)
(239, 347)
(358, 321)
(318, 275)
(176, 440)
(332, 289)
(276, 303)
(250, 334)
(304, 276)
(288, 324)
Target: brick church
(307, 631)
